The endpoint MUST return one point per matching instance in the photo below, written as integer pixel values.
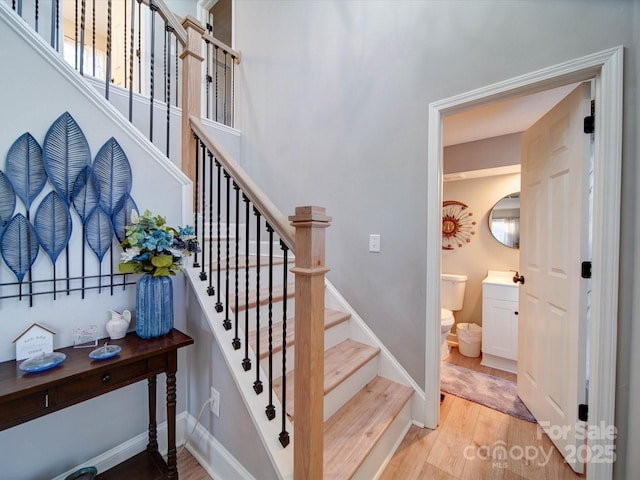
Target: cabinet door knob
(106, 378)
(515, 313)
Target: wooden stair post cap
(310, 214)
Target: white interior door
(553, 298)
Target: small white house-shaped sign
(35, 340)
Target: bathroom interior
(480, 256)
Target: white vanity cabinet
(500, 321)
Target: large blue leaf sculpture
(65, 152)
(122, 215)
(53, 225)
(99, 232)
(86, 193)
(25, 168)
(7, 200)
(19, 245)
(113, 172)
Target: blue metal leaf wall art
(122, 215)
(99, 232)
(86, 193)
(100, 193)
(19, 245)
(7, 200)
(113, 172)
(25, 168)
(53, 225)
(65, 152)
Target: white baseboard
(213, 457)
(202, 445)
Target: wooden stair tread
(331, 318)
(340, 362)
(352, 432)
(277, 295)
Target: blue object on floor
(86, 473)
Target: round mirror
(504, 220)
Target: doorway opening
(605, 69)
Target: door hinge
(583, 412)
(590, 121)
(586, 269)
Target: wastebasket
(469, 339)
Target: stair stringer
(388, 365)
(268, 431)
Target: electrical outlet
(214, 404)
(374, 243)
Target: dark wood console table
(25, 396)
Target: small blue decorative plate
(105, 351)
(42, 362)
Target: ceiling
(511, 115)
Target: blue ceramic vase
(154, 306)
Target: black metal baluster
(284, 435)
(131, 47)
(218, 303)
(233, 91)
(154, 9)
(57, 25)
(270, 410)
(236, 340)
(164, 61)
(93, 36)
(82, 26)
(216, 95)
(210, 289)
(195, 204)
(124, 42)
(227, 322)
(205, 152)
(224, 104)
(246, 362)
(168, 94)
(139, 51)
(257, 385)
(13, 5)
(37, 8)
(75, 38)
(108, 76)
(177, 73)
(207, 75)
(53, 25)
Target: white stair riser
(379, 457)
(340, 395)
(332, 337)
(276, 313)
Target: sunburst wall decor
(457, 224)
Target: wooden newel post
(191, 91)
(310, 269)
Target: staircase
(369, 400)
(366, 414)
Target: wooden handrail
(171, 18)
(236, 54)
(271, 213)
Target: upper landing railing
(137, 45)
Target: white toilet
(451, 300)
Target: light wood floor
(465, 446)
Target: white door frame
(606, 69)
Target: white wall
(484, 252)
(34, 91)
(333, 103)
